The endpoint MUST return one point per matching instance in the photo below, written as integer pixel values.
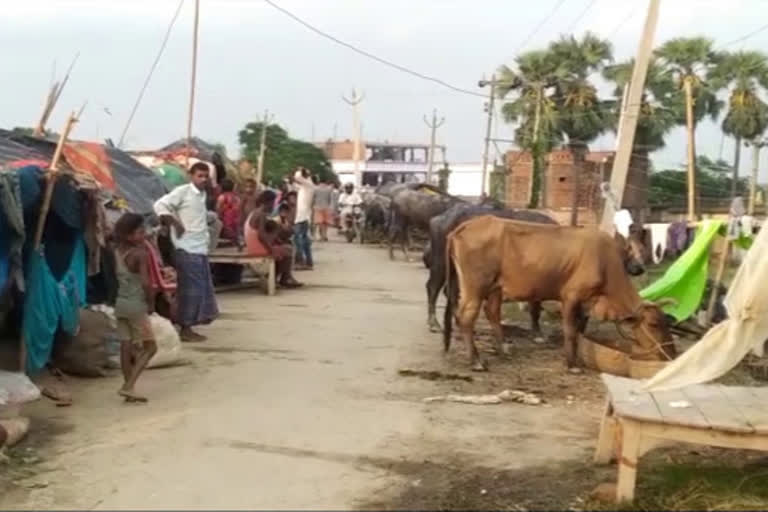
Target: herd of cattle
(482, 255)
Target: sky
(252, 58)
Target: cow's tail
(451, 295)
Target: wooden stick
(718, 280)
(51, 179)
(192, 81)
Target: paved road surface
(294, 402)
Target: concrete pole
(433, 126)
(628, 121)
(489, 124)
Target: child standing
(135, 302)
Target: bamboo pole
(691, 148)
(192, 81)
(718, 279)
(50, 179)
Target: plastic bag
(168, 342)
(16, 388)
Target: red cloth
(92, 159)
(156, 270)
(228, 208)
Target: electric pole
(628, 120)
(262, 148)
(489, 109)
(354, 101)
(433, 126)
(688, 88)
(757, 145)
(193, 79)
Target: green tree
(532, 108)
(668, 187)
(689, 61)
(744, 73)
(283, 153)
(657, 109)
(582, 116)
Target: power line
(369, 54)
(581, 16)
(538, 27)
(746, 36)
(151, 72)
(623, 22)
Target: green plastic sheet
(172, 175)
(686, 279)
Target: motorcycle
(353, 224)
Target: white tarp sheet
(726, 344)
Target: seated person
(263, 238)
(228, 207)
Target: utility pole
(433, 126)
(757, 145)
(193, 79)
(489, 109)
(262, 148)
(628, 121)
(354, 101)
(688, 88)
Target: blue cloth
(11, 227)
(4, 256)
(50, 303)
(302, 242)
(195, 295)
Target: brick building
(559, 183)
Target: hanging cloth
(658, 241)
(51, 303)
(725, 344)
(686, 278)
(623, 221)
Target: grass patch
(710, 479)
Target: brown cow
(491, 259)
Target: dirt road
(296, 402)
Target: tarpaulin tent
(113, 169)
(172, 175)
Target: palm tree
(689, 61)
(582, 115)
(657, 113)
(532, 108)
(744, 73)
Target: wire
(746, 36)
(151, 72)
(623, 22)
(539, 26)
(581, 16)
(370, 55)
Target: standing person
(335, 205)
(183, 209)
(323, 208)
(228, 207)
(135, 302)
(262, 238)
(306, 191)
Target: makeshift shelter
(202, 150)
(115, 171)
(172, 175)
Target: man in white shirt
(347, 201)
(306, 189)
(184, 211)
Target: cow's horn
(665, 301)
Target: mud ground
(296, 401)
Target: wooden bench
(262, 265)
(709, 414)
